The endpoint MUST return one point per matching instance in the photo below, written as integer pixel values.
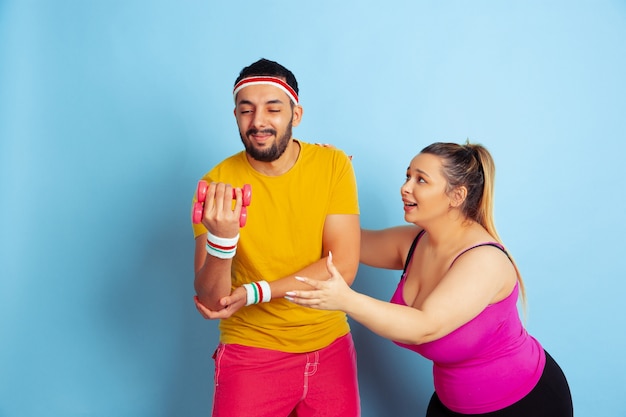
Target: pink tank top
(488, 363)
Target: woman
(456, 303)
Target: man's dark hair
(265, 67)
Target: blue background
(111, 110)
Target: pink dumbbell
(198, 208)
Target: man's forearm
(213, 282)
(317, 271)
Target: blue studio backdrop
(110, 111)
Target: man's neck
(280, 166)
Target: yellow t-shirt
(282, 235)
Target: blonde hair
(471, 166)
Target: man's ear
(298, 111)
(458, 196)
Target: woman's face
(424, 191)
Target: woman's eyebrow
(419, 171)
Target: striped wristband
(258, 292)
(223, 248)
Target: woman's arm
(387, 248)
(476, 279)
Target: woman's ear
(458, 196)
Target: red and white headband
(276, 82)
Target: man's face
(265, 118)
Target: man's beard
(274, 152)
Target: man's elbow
(210, 296)
(348, 270)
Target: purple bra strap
(412, 249)
(494, 244)
(421, 233)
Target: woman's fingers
(323, 292)
(303, 298)
(313, 283)
(330, 266)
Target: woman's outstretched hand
(331, 294)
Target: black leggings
(550, 398)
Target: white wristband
(257, 292)
(223, 248)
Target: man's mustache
(254, 131)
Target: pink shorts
(254, 382)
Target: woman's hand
(331, 294)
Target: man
(275, 358)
